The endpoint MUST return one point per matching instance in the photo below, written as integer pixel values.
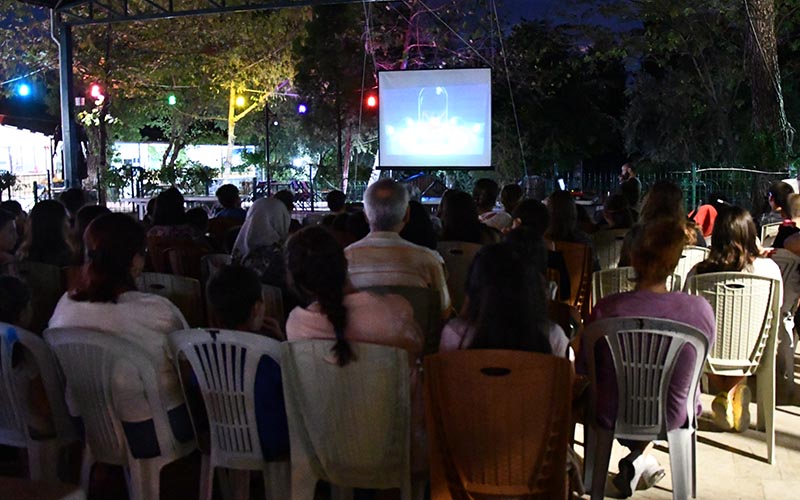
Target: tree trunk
(765, 77)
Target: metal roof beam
(106, 12)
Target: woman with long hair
(663, 200)
(460, 222)
(46, 238)
(333, 309)
(105, 299)
(505, 307)
(656, 247)
(734, 248)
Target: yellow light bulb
(240, 101)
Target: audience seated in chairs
(506, 307)
(106, 300)
(8, 241)
(85, 215)
(170, 230)
(789, 226)
(20, 215)
(230, 203)
(655, 251)
(460, 220)
(734, 248)
(46, 237)
(259, 245)
(383, 258)
(778, 199)
(334, 310)
(485, 192)
(419, 229)
(15, 309)
(73, 200)
(234, 294)
(664, 199)
(533, 215)
(510, 197)
(563, 225)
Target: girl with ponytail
(333, 309)
(106, 300)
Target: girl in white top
(734, 248)
(106, 300)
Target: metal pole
(267, 148)
(311, 184)
(69, 135)
(694, 185)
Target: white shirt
(142, 318)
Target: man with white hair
(383, 258)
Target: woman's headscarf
(266, 224)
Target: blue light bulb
(24, 90)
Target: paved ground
(733, 466)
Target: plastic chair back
(644, 352)
(622, 279)
(690, 257)
(608, 246)
(89, 359)
(578, 258)
(224, 363)
(426, 304)
(211, 263)
(747, 309)
(769, 232)
(348, 425)
(46, 283)
(457, 257)
(483, 407)
(185, 260)
(182, 291)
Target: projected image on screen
(436, 118)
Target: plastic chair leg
(765, 381)
(680, 461)
(277, 480)
(206, 478)
(602, 455)
(589, 449)
(43, 460)
(86, 469)
(144, 479)
(303, 480)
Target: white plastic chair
(622, 279)
(89, 360)
(211, 263)
(42, 453)
(224, 363)
(348, 425)
(608, 246)
(789, 264)
(457, 257)
(644, 351)
(690, 257)
(182, 291)
(768, 233)
(747, 309)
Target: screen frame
(489, 167)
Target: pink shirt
(386, 320)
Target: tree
(569, 100)
(769, 115)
